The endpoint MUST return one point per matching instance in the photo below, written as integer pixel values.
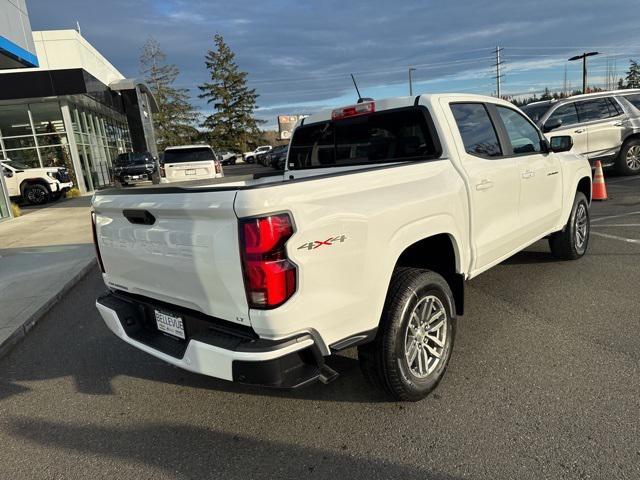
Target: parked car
(276, 157)
(385, 209)
(189, 162)
(36, 186)
(250, 157)
(132, 167)
(605, 126)
(228, 158)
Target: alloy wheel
(426, 336)
(633, 157)
(582, 227)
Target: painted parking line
(600, 219)
(623, 225)
(615, 237)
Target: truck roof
(182, 147)
(407, 101)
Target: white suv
(189, 162)
(250, 157)
(35, 185)
(604, 126)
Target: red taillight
(162, 172)
(218, 167)
(95, 241)
(269, 276)
(353, 110)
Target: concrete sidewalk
(42, 255)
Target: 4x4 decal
(328, 242)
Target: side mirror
(551, 125)
(7, 173)
(562, 143)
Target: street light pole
(411, 69)
(583, 57)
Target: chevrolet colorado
(384, 210)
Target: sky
(299, 54)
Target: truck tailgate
(183, 251)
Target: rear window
(182, 155)
(536, 111)
(133, 158)
(387, 136)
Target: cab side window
(523, 136)
(565, 113)
(478, 133)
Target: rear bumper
(212, 349)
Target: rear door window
(185, 155)
(476, 128)
(387, 136)
(592, 110)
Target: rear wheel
(411, 351)
(249, 159)
(629, 159)
(572, 242)
(36, 194)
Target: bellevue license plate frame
(169, 323)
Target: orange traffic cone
(598, 189)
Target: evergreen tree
(546, 95)
(232, 125)
(633, 75)
(620, 84)
(174, 121)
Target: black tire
(249, 160)
(628, 162)
(568, 244)
(55, 196)
(384, 362)
(36, 194)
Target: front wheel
(249, 160)
(411, 351)
(571, 243)
(36, 194)
(629, 158)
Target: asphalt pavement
(544, 382)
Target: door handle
(618, 124)
(484, 185)
(579, 130)
(528, 174)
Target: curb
(22, 330)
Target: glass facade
(36, 134)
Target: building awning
(132, 84)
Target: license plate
(136, 177)
(189, 172)
(170, 324)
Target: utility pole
(564, 85)
(411, 70)
(498, 67)
(583, 57)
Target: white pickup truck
(35, 185)
(383, 212)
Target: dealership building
(73, 109)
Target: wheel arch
(584, 186)
(34, 181)
(439, 253)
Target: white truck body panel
(190, 256)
